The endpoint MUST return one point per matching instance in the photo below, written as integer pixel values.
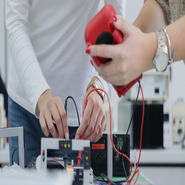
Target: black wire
(134, 108)
(124, 168)
(65, 106)
(108, 180)
(13, 154)
(129, 128)
(103, 175)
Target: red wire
(141, 134)
(136, 170)
(137, 176)
(80, 152)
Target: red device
(101, 30)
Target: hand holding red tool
(101, 30)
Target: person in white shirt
(47, 45)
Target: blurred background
(163, 157)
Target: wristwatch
(96, 83)
(161, 59)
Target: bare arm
(151, 17)
(176, 33)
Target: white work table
(148, 156)
(170, 156)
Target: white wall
(133, 8)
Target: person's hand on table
(130, 58)
(52, 109)
(94, 116)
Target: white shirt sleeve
(119, 6)
(22, 53)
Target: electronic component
(167, 125)
(153, 123)
(68, 145)
(102, 153)
(178, 121)
(155, 87)
(101, 30)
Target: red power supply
(101, 30)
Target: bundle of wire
(122, 154)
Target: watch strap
(160, 39)
(93, 83)
(161, 48)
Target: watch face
(161, 62)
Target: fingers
(95, 113)
(122, 25)
(63, 116)
(96, 138)
(108, 69)
(91, 127)
(85, 120)
(43, 125)
(57, 118)
(49, 123)
(98, 130)
(54, 111)
(107, 51)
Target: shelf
(160, 156)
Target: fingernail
(77, 137)
(66, 135)
(114, 18)
(88, 51)
(91, 62)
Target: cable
(13, 154)
(111, 131)
(141, 134)
(103, 175)
(137, 176)
(108, 180)
(129, 128)
(65, 106)
(124, 169)
(110, 124)
(134, 108)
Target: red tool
(101, 30)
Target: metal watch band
(171, 58)
(96, 83)
(161, 59)
(160, 39)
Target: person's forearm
(151, 17)
(177, 37)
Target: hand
(94, 113)
(51, 108)
(130, 58)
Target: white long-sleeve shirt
(47, 47)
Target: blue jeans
(19, 117)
